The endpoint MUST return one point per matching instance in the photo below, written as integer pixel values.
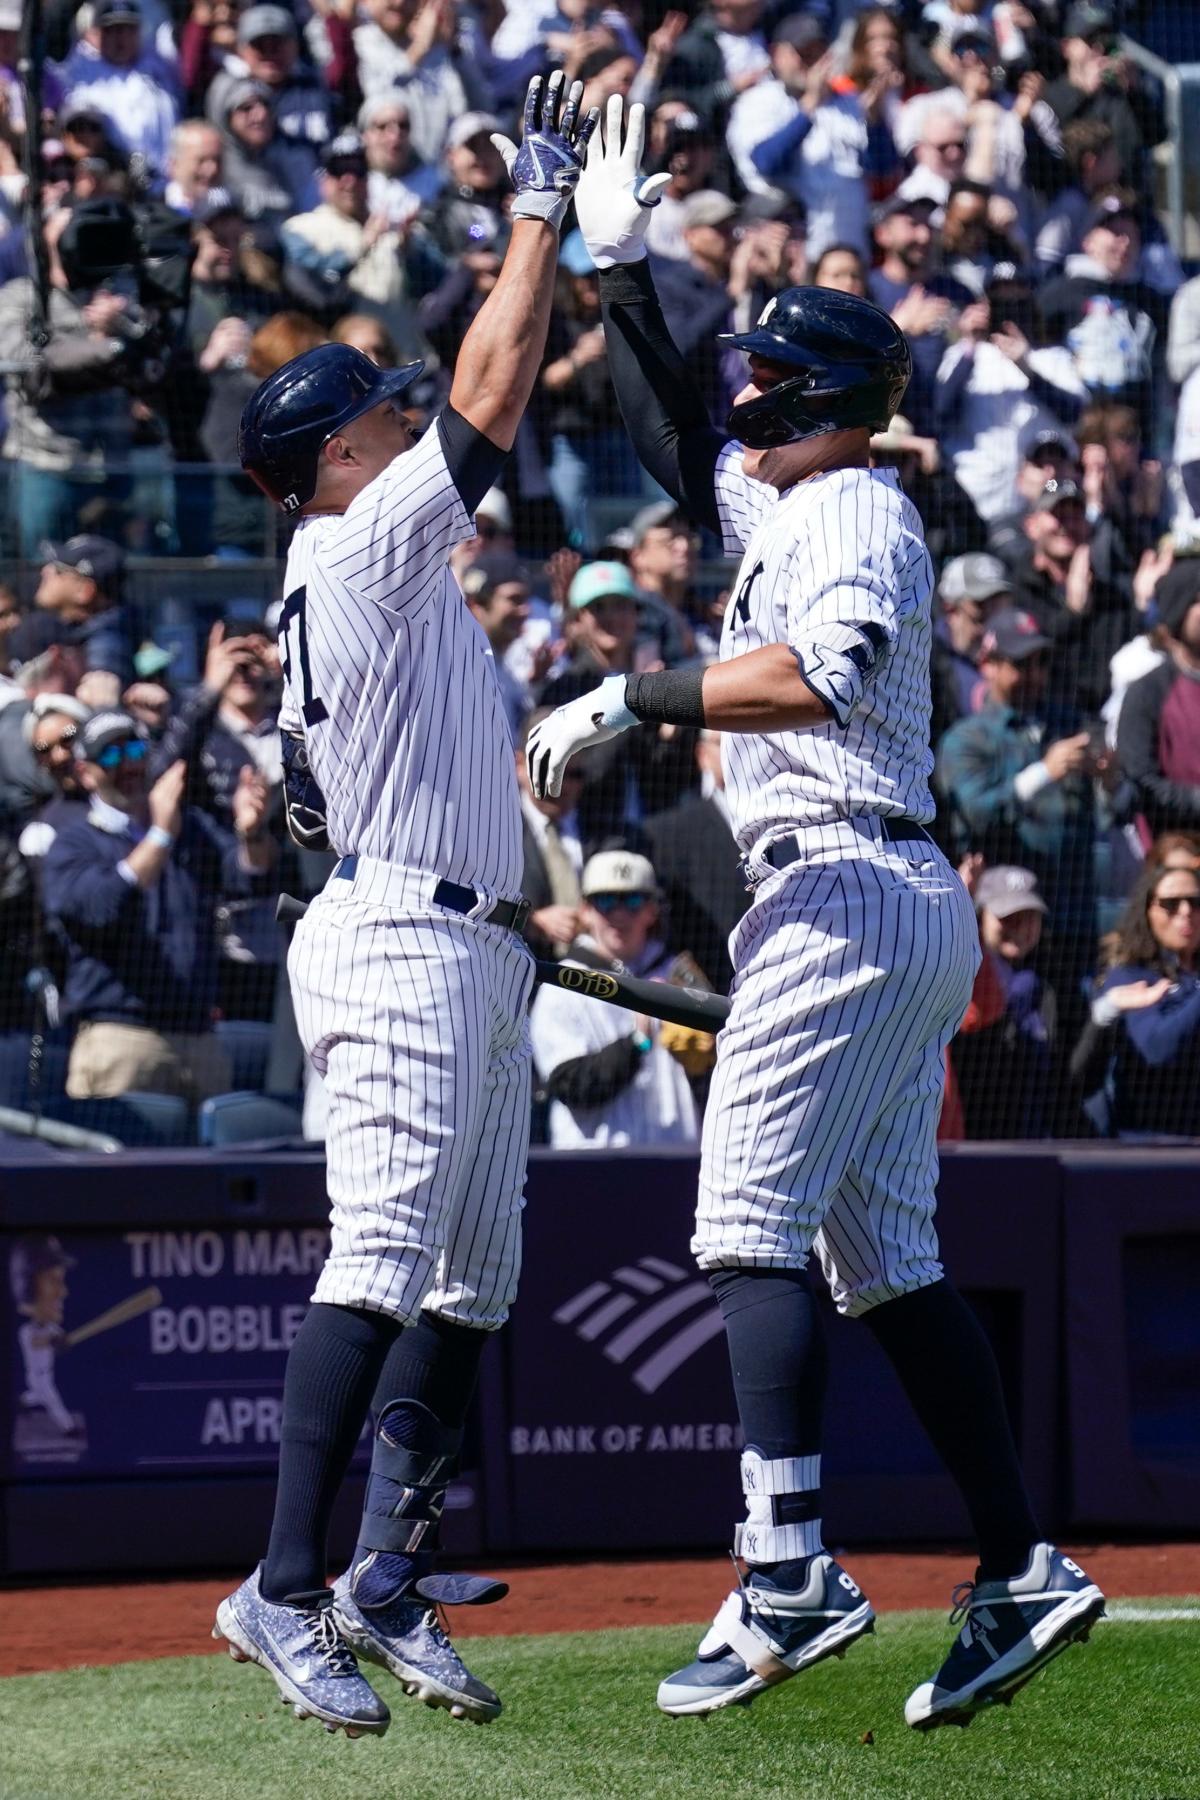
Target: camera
(143, 252)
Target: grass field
(1115, 1720)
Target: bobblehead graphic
(45, 1428)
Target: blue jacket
(1156, 1066)
(141, 956)
(978, 760)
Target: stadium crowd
(216, 189)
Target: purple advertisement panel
(152, 1352)
(618, 1425)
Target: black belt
(456, 898)
(897, 831)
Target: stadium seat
(247, 1043)
(136, 1119)
(240, 1118)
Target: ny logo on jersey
(741, 600)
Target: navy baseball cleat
(405, 1636)
(765, 1634)
(1011, 1629)
(299, 1646)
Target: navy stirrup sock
(421, 1402)
(332, 1370)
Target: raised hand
(545, 171)
(614, 199)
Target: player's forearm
(763, 690)
(502, 352)
(663, 408)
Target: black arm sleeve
(473, 460)
(597, 1078)
(661, 405)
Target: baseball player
(409, 975)
(38, 1275)
(853, 965)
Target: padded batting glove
(545, 171)
(592, 719)
(615, 200)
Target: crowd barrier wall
(143, 1337)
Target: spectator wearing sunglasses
(1148, 1005)
(610, 1079)
(131, 887)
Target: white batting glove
(592, 719)
(614, 199)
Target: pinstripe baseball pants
(851, 976)
(418, 1023)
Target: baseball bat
(120, 1314)
(687, 1006)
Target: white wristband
(162, 840)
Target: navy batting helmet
(290, 418)
(852, 366)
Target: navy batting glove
(545, 171)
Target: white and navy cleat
(405, 1636)
(1011, 1630)
(301, 1649)
(765, 1634)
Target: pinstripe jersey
(394, 684)
(837, 553)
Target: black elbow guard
(304, 803)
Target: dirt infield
(62, 1627)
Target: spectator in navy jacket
(1150, 1000)
(130, 887)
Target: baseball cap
(265, 21)
(1013, 636)
(243, 92)
(597, 580)
(1048, 439)
(116, 12)
(381, 106)
(1175, 593)
(110, 726)
(346, 147)
(973, 577)
(45, 706)
(659, 512)
(218, 203)
(1108, 208)
(979, 43)
(1086, 19)
(38, 632)
(800, 30)
(917, 206)
(1055, 494)
(490, 570)
(1006, 890)
(707, 207)
(151, 659)
(471, 125)
(618, 872)
(97, 557)
(494, 506)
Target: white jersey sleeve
(397, 533)
(852, 584)
(742, 504)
